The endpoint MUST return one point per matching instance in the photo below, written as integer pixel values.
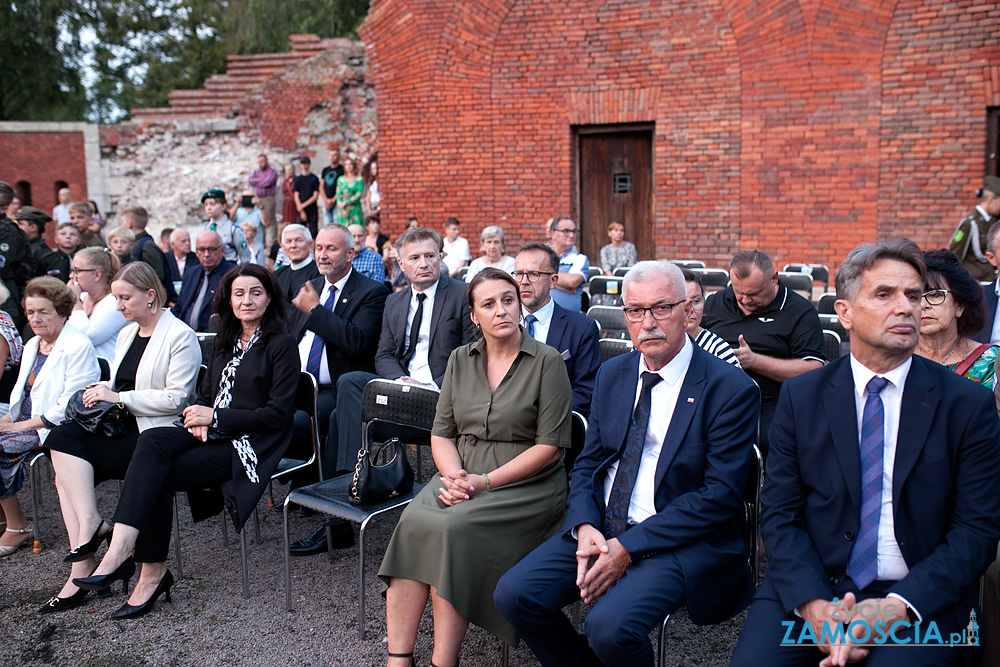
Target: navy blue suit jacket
(191, 287)
(945, 488)
(990, 301)
(576, 338)
(700, 477)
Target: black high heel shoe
(57, 603)
(85, 551)
(162, 588)
(123, 572)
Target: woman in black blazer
(237, 430)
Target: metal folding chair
(610, 319)
(831, 344)
(713, 280)
(800, 283)
(605, 291)
(612, 347)
(819, 272)
(689, 263)
(825, 303)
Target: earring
(150, 304)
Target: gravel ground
(209, 622)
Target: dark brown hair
(54, 290)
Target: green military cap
(32, 214)
(213, 194)
(992, 184)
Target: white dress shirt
(419, 367)
(891, 565)
(181, 264)
(307, 340)
(663, 401)
(544, 317)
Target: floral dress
(14, 447)
(349, 200)
(981, 370)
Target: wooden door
(615, 183)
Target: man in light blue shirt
(573, 266)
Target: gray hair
(851, 272)
(296, 227)
(337, 227)
(651, 270)
(492, 232)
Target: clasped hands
(859, 621)
(599, 562)
(459, 487)
(197, 419)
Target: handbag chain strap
(357, 472)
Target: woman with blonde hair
(95, 313)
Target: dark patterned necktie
(863, 563)
(616, 515)
(316, 349)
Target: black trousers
(109, 457)
(301, 445)
(167, 460)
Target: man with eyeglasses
(775, 333)
(194, 305)
(655, 517)
(575, 336)
(573, 266)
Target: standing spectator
(194, 305)
(248, 210)
(135, 220)
(264, 181)
(32, 222)
(57, 262)
(372, 200)
(95, 313)
(296, 242)
(329, 176)
(619, 253)
(573, 267)
(61, 212)
(177, 259)
(122, 242)
(493, 246)
(15, 257)
(969, 241)
(164, 243)
(98, 222)
(306, 193)
(81, 216)
(233, 241)
(456, 247)
(366, 262)
(289, 213)
(257, 255)
(350, 186)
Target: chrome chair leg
(661, 650)
(505, 657)
(256, 523)
(243, 563)
(361, 577)
(177, 539)
(225, 530)
(288, 572)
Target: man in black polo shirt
(775, 333)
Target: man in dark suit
(990, 332)
(194, 305)
(297, 242)
(420, 328)
(177, 261)
(337, 321)
(655, 514)
(881, 502)
(574, 335)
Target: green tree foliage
(131, 53)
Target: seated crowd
(881, 500)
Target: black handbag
(102, 418)
(375, 483)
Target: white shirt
(506, 264)
(181, 264)
(995, 335)
(304, 263)
(544, 317)
(102, 326)
(456, 252)
(419, 368)
(307, 340)
(663, 401)
(891, 565)
(61, 213)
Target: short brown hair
(549, 253)
(138, 215)
(415, 235)
(615, 223)
(81, 207)
(55, 291)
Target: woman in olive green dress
(502, 421)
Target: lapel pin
(690, 400)
(344, 300)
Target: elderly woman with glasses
(951, 310)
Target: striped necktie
(863, 563)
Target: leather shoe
(342, 537)
(302, 512)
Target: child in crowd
(57, 262)
(121, 241)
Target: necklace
(948, 356)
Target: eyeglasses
(208, 249)
(697, 301)
(935, 297)
(566, 231)
(74, 271)
(532, 276)
(660, 311)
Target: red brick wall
(42, 159)
(801, 128)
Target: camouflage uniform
(969, 244)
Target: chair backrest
(579, 438)
(105, 369)
(612, 347)
(307, 394)
(826, 301)
(621, 271)
(399, 403)
(820, 272)
(611, 320)
(713, 279)
(206, 341)
(462, 272)
(689, 263)
(831, 344)
(832, 323)
(594, 271)
(605, 290)
(800, 283)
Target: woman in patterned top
(619, 253)
(704, 338)
(952, 310)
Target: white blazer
(103, 325)
(72, 365)
(167, 374)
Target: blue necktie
(316, 351)
(616, 515)
(863, 564)
(529, 325)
